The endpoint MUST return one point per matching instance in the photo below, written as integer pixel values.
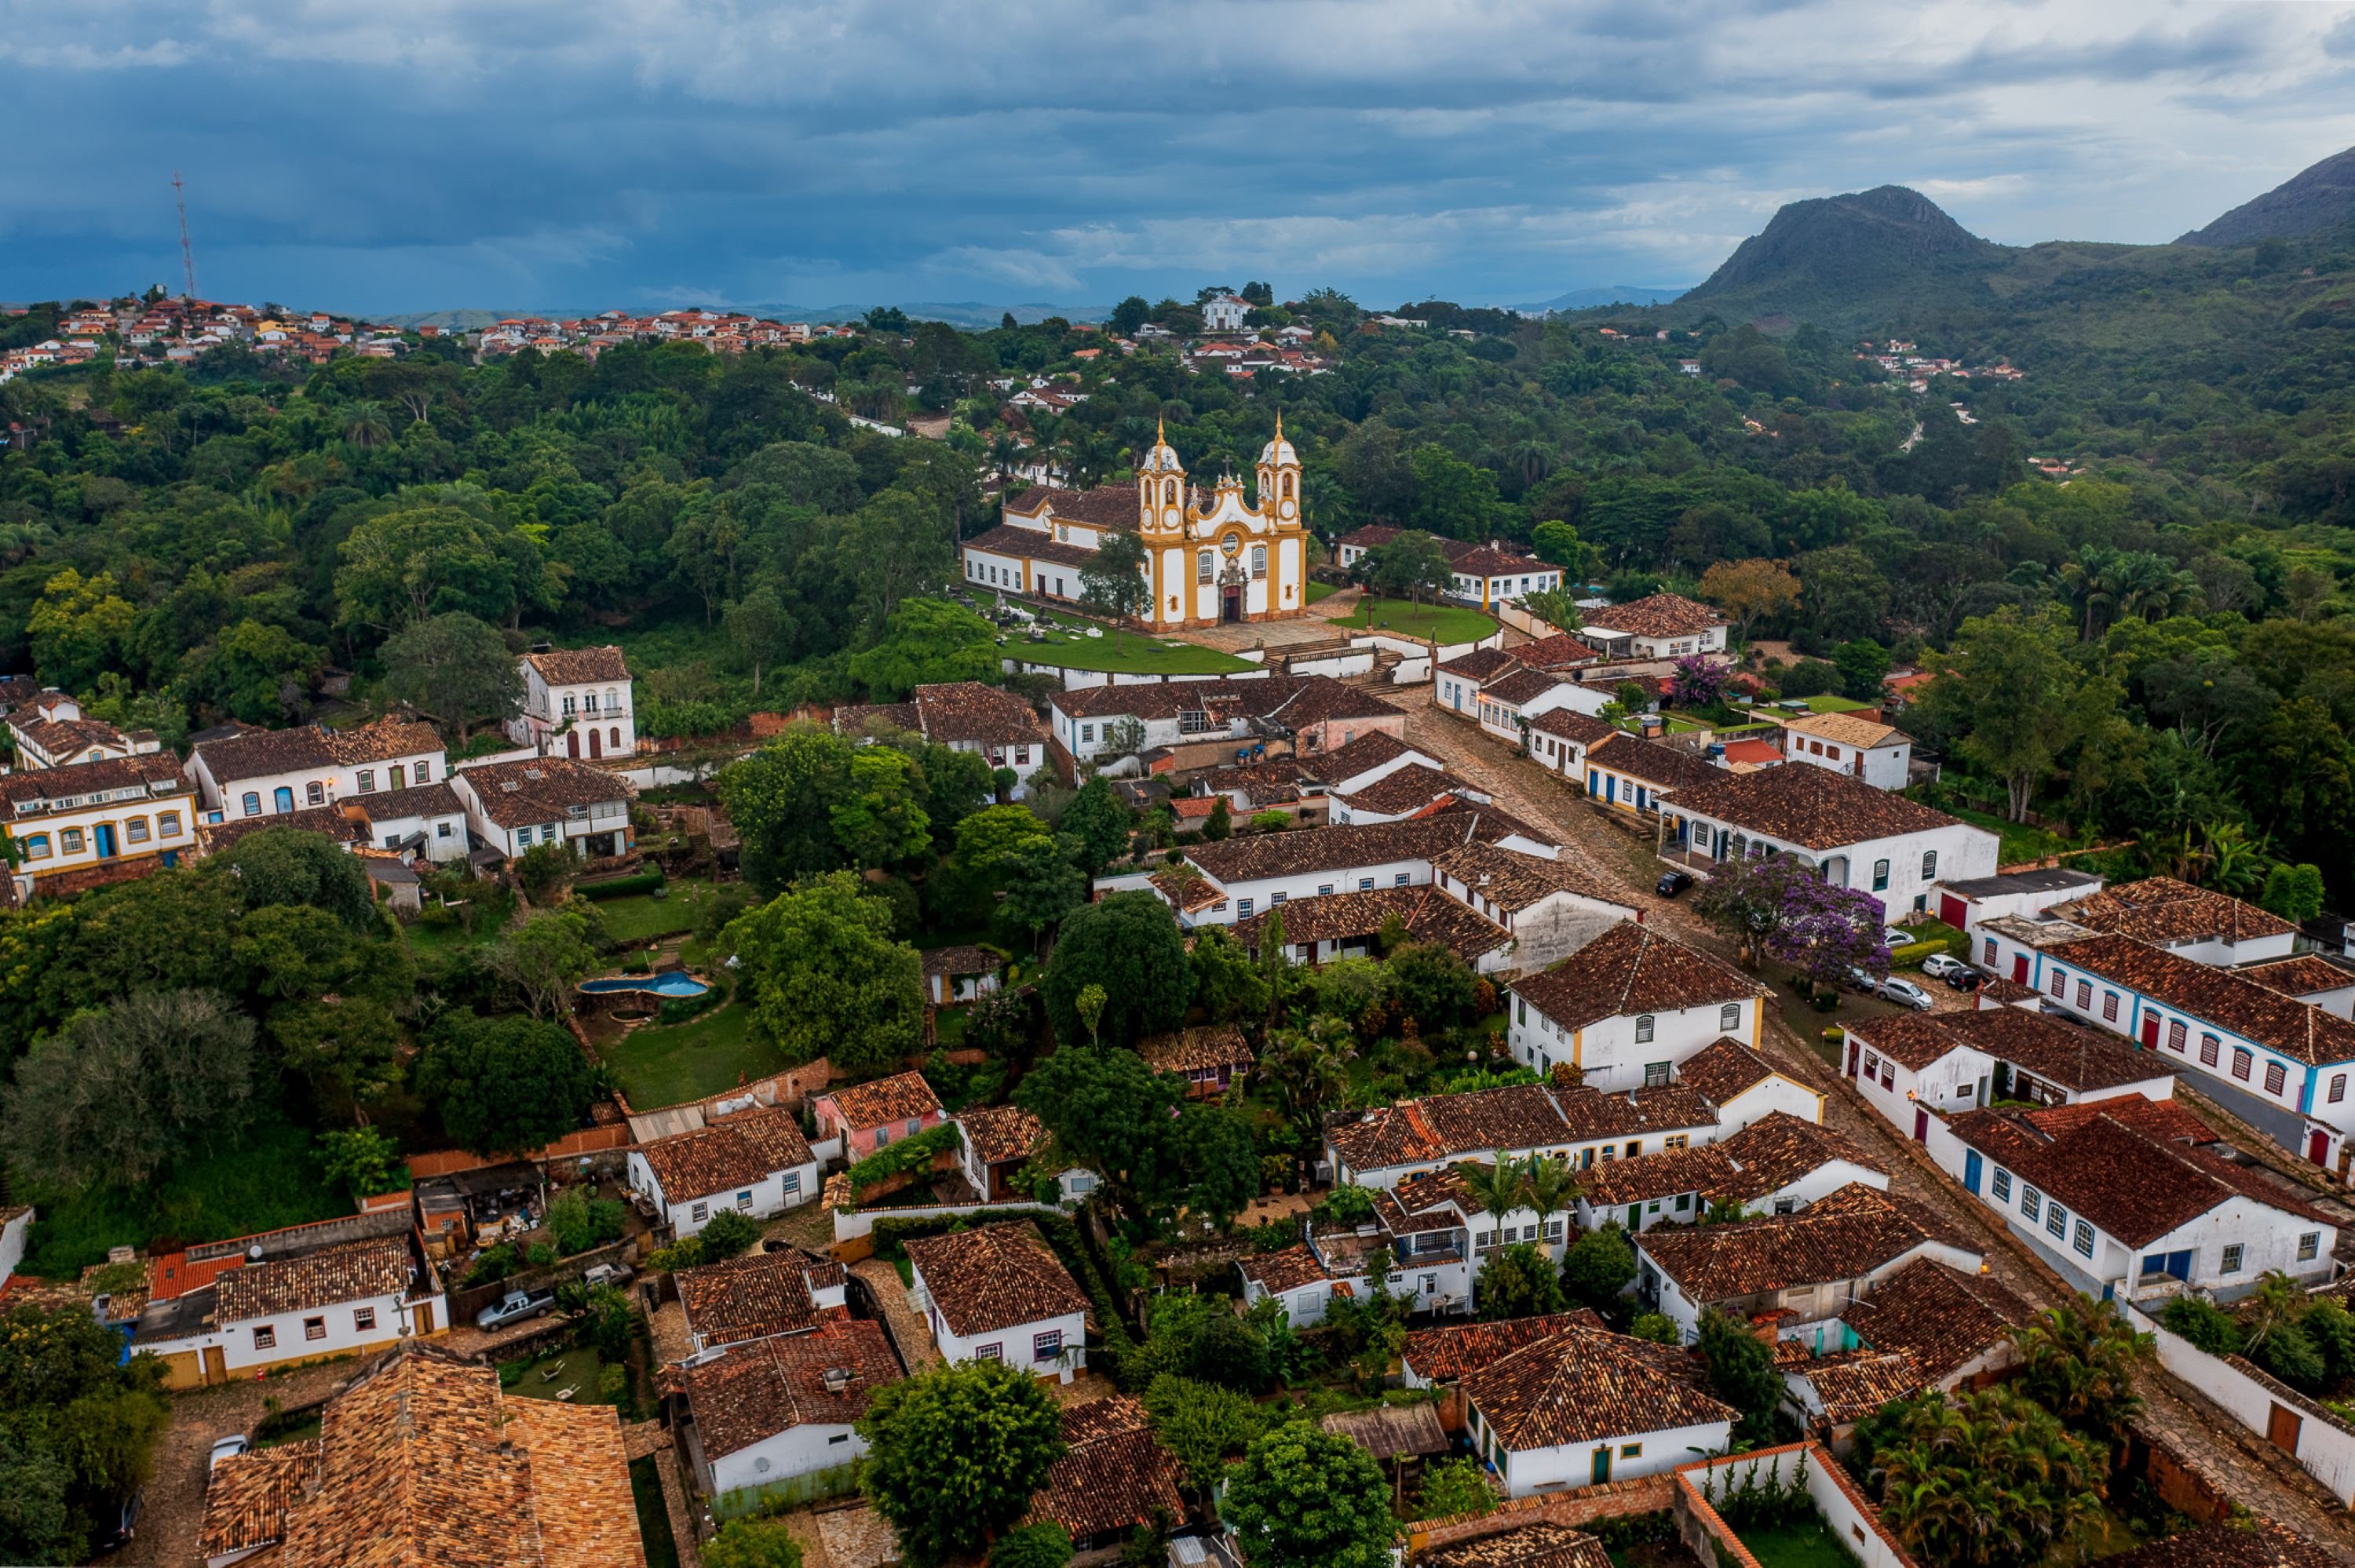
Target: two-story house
(1777, 1165)
(276, 772)
(1865, 748)
(1629, 1006)
(1388, 1144)
(1550, 909)
(51, 731)
(576, 699)
(759, 1295)
(89, 823)
(512, 806)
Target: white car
(1904, 993)
(1943, 965)
(228, 1448)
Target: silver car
(1904, 993)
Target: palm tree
(1496, 1189)
(2229, 860)
(2078, 1361)
(1530, 459)
(1551, 1187)
(1003, 450)
(366, 426)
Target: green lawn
(1807, 1544)
(1828, 702)
(267, 1180)
(2020, 841)
(638, 916)
(576, 1368)
(665, 1064)
(1127, 652)
(1321, 592)
(1443, 622)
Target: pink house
(866, 1116)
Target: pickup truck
(513, 1308)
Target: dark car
(116, 1532)
(1672, 883)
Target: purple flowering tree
(1777, 908)
(1697, 684)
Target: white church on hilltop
(1208, 557)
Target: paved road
(2205, 1438)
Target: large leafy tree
(955, 1453)
(1518, 1281)
(1100, 819)
(504, 1086)
(78, 629)
(1113, 1113)
(121, 1095)
(1128, 944)
(1598, 1266)
(454, 668)
(2015, 702)
(1303, 1497)
(545, 957)
(297, 866)
(1988, 1480)
(78, 1425)
(1741, 1370)
(813, 801)
(927, 640)
(823, 977)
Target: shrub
(679, 1009)
(909, 1154)
(579, 1224)
(540, 1255)
(496, 1263)
(620, 886)
(727, 1233)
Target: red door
(1952, 910)
(2150, 1032)
(2318, 1147)
(1921, 1127)
(572, 743)
(595, 749)
(2019, 970)
(1851, 1055)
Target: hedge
(909, 1154)
(620, 886)
(1911, 955)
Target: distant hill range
(963, 313)
(1609, 295)
(2321, 199)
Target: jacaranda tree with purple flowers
(1776, 908)
(1697, 684)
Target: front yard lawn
(1829, 702)
(667, 1064)
(641, 916)
(1125, 653)
(1439, 622)
(1319, 593)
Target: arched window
(1643, 1028)
(1287, 487)
(590, 703)
(282, 799)
(1202, 567)
(252, 803)
(1169, 493)
(1929, 866)
(613, 736)
(613, 701)
(1729, 1017)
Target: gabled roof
(999, 1134)
(1843, 1237)
(1937, 1314)
(1775, 1151)
(1813, 808)
(1539, 1544)
(1210, 1045)
(1629, 970)
(353, 1271)
(2167, 913)
(1724, 1069)
(2297, 1029)
(1252, 857)
(1569, 724)
(1848, 729)
(903, 1096)
(259, 753)
(1114, 1473)
(248, 1496)
(1446, 1127)
(1656, 615)
(756, 1391)
(2074, 1056)
(2307, 974)
(1443, 1355)
(1412, 787)
(1662, 767)
(1519, 687)
(748, 1298)
(1860, 1382)
(2263, 1544)
(1482, 664)
(726, 1155)
(156, 773)
(1514, 880)
(976, 714)
(541, 790)
(993, 1278)
(1584, 1384)
(1662, 1175)
(579, 666)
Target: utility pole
(187, 255)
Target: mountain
(1836, 248)
(2322, 197)
(962, 314)
(1609, 295)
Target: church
(1211, 556)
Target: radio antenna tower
(187, 255)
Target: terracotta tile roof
(756, 1391)
(863, 719)
(579, 666)
(1446, 1127)
(1113, 1475)
(425, 1464)
(2131, 1182)
(1582, 1384)
(1569, 724)
(2305, 975)
(1482, 664)
(249, 1495)
(993, 1278)
(1388, 1431)
(725, 1156)
(1428, 915)
(2266, 1545)
(998, 1134)
(1368, 752)
(1661, 766)
(1445, 1355)
(1409, 789)
(1519, 686)
(541, 790)
(435, 800)
(1187, 894)
(2168, 1119)
(1490, 561)
(1321, 699)
(747, 1297)
(1256, 856)
(1826, 1242)
(1855, 1386)
(1513, 880)
(1211, 1046)
(1656, 615)
(1541, 1544)
(1939, 1315)
(1100, 506)
(1278, 1272)
(328, 820)
(1813, 808)
(1724, 1069)
(1777, 1149)
(1848, 729)
(964, 961)
(2297, 1029)
(353, 1271)
(976, 714)
(1661, 1175)
(903, 1096)
(155, 772)
(256, 753)
(2004, 993)
(2167, 913)
(1557, 652)
(1629, 970)
(2074, 1056)
(60, 738)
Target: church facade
(1211, 557)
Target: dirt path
(909, 1330)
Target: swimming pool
(675, 983)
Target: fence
(1851, 1517)
(1573, 1510)
(2319, 1440)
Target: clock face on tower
(1288, 509)
(1169, 517)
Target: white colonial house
(1511, 702)
(2123, 1198)
(1559, 738)
(512, 806)
(1777, 1165)
(1629, 1006)
(1224, 312)
(1316, 713)
(1915, 1067)
(1659, 626)
(92, 821)
(1744, 1090)
(334, 1301)
(1865, 748)
(2195, 923)
(1851, 833)
(1550, 909)
(1585, 1406)
(1965, 903)
(577, 700)
(964, 716)
(759, 1295)
(776, 1411)
(1392, 1144)
(50, 731)
(276, 772)
(1493, 573)
(756, 1162)
(997, 1293)
(426, 820)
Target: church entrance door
(1235, 605)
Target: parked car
(1967, 978)
(1945, 967)
(228, 1448)
(1896, 937)
(1904, 993)
(1859, 979)
(1672, 883)
(613, 1274)
(513, 1308)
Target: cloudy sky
(578, 154)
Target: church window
(1202, 567)
(1259, 560)
(1169, 493)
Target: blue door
(282, 799)
(1971, 1171)
(1611, 787)
(105, 836)
(1602, 1465)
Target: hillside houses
(1478, 575)
(1627, 1007)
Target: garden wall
(465, 1301)
(1575, 1510)
(2322, 1443)
(854, 1224)
(1851, 1517)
